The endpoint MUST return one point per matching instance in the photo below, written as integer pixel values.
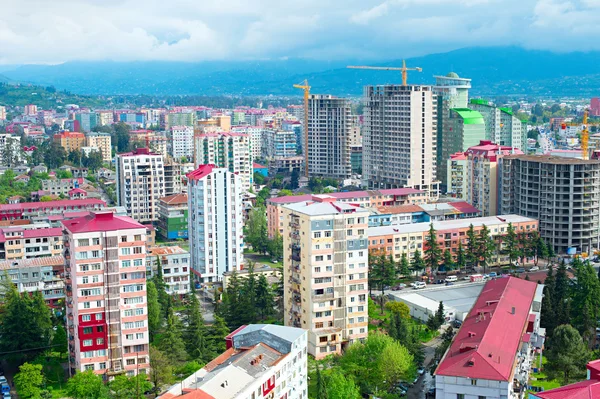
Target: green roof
(507, 110)
(469, 116)
(479, 101)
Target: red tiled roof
(258, 166)
(48, 232)
(77, 191)
(395, 209)
(175, 199)
(104, 221)
(487, 343)
(464, 207)
(589, 389)
(346, 195)
(202, 171)
(400, 191)
(50, 204)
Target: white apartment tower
(399, 138)
(329, 126)
(255, 133)
(140, 183)
(326, 272)
(105, 277)
(181, 142)
(226, 150)
(215, 225)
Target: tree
(74, 157)
(275, 246)
(154, 320)
(161, 370)
(59, 340)
(265, 301)
(485, 246)
(294, 180)
(461, 259)
(404, 266)
(548, 315)
(55, 156)
(340, 387)
(256, 230)
(399, 307)
(86, 385)
(234, 305)
(541, 249)
(567, 355)
(396, 364)
(432, 252)
(510, 241)
(448, 260)
(321, 387)
(172, 343)
(585, 297)
(432, 323)
(216, 335)
(194, 335)
(29, 380)
(440, 316)
(417, 263)
(561, 303)
(472, 247)
(124, 387)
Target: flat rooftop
(459, 297)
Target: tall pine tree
(195, 332)
(432, 251)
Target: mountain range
(494, 71)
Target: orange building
(70, 141)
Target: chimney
(513, 310)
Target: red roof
(202, 171)
(487, 343)
(175, 199)
(77, 191)
(104, 221)
(464, 207)
(49, 232)
(589, 389)
(400, 191)
(50, 204)
(258, 166)
(347, 195)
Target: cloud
(41, 31)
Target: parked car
(439, 281)
(6, 395)
(456, 323)
(399, 287)
(520, 270)
(4, 387)
(493, 275)
(3, 380)
(419, 285)
(534, 269)
(421, 370)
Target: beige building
(102, 142)
(70, 141)
(326, 272)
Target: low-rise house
(173, 216)
(61, 186)
(175, 263)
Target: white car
(419, 285)
(534, 269)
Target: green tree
(567, 355)
(194, 335)
(123, 387)
(432, 252)
(259, 179)
(440, 315)
(396, 364)
(217, 333)
(585, 297)
(74, 157)
(472, 247)
(404, 266)
(417, 263)
(399, 307)
(154, 311)
(86, 385)
(485, 247)
(256, 230)
(340, 387)
(561, 296)
(541, 249)
(265, 300)
(161, 370)
(548, 315)
(172, 344)
(510, 244)
(461, 259)
(321, 387)
(29, 380)
(448, 260)
(59, 340)
(55, 156)
(233, 306)
(275, 246)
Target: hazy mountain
(493, 70)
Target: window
(96, 266)
(137, 250)
(88, 342)
(137, 262)
(319, 258)
(460, 396)
(86, 305)
(473, 382)
(102, 366)
(328, 234)
(139, 336)
(95, 279)
(125, 251)
(86, 317)
(481, 397)
(84, 268)
(128, 336)
(100, 328)
(319, 325)
(130, 362)
(100, 341)
(99, 316)
(84, 242)
(317, 234)
(126, 263)
(137, 237)
(95, 254)
(89, 367)
(87, 330)
(317, 270)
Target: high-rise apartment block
(255, 133)
(329, 125)
(562, 193)
(30, 110)
(399, 138)
(101, 141)
(181, 142)
(501, 126)
(226, 150)
(70, 141)
(215, 222)
(326, 272)
(9, 149)
(473, 175)
(279, 143)
(181, 119)
(87, 120)
(463, 128)
(105, 277)
(140, 183)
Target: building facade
(105, 277)
(501, 126)
(215, 222)
(279, 143)
(325, 268)
(175, 263)
(181, 142)
(329, 125)
(226, 150)
(70, 141)
(255, 133)
(173, 217)
(31, 210)
(562, 193)
(140, 183)
(102, 142)
(86, 120)
(399, 138)
(173, 177)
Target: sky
(55, 31)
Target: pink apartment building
(105, 277)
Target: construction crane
(304, 86)
(585, 136)
(403, 69)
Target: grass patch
(263, 259)
(382, 321)
(540, 379)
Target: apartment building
(286, 164)
(400, 138)
(181, 119)
(329, 125)
(181, 142)
(173, 177)
(325, 268)
(395, 240)
(502, 127)
(30, 241)
(30, 109)
(86, 120)
(2, 113)
(473, 175)
(173, 217)
(279, 143)
(562, 193)
(101, 141)
(70, 141)
(366, 199)
(226, 150)
(261, 361)
(61, 186)
(215, 222)
(255, 133)
(31, 210)
(37, 274)
(105, 276)
(10, 146)
(494, 350)
(175, 263)
(140, 183)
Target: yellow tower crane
(585, 136)
(304, 86)
(403, 69)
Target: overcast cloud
(53, 31)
